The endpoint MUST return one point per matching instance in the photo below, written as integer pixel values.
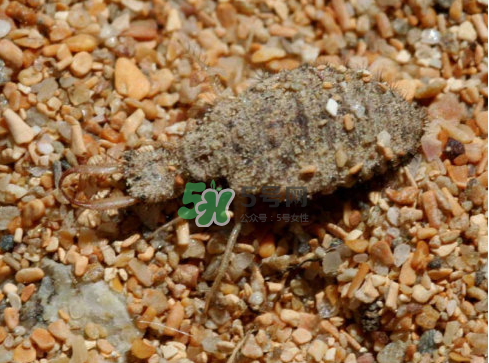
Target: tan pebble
(349, 124)
(466, 31)
(407, 275)
(104, 346)
(33, 211)
(251, 349)
(458, 133)
(150, 110)
(79, 350)
(317, 350)
(24, 354)
(384, 25)
(141, 271)
(43, 339)
(29, 76)
(186, 274)
(282, 31)
(420, 257)
(265, 319)
(92, 331)
(163, 78)
(81, 263)
(141, 349)
(391, 300)
(431, 208)
(267, 246)
(59, 329)
(329, 328)
(277, 65)
(141, 30)
(290, 317)
(327, 85)
(421, 294)
(343, 14)
(301, 336)
(174, 320)
(81, 64)
(403, 196)
(355, 169)
(146, 318)
(3, 334)
(357, 245)
(457, 357)
(77, 143)
(167, 99)
(382, 252)
(288, 353)
(264, 54)
(445, 250)
(426, 232)
(363, 269)
(11, 54)
(11, 317)
(21, 132)
(481, 120)
(427, 318)
(156, 299)
(330, 355)
(367, 293)
(81, 43)
(431, 89)
(173, 21)
(28, 275)
(458, 174)
(129, 80)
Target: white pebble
(45, 147)
(393, 216)
(384, 139)
(403, 56)
(401, 254)
(4, 27)
(332, 107)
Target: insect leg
(224, 264)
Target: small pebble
(141, 349)
(4, 27)
(21, 132)
(11, 54)
(392, 353)
(129, 80)
(251, 349)
(81, 64)
(301, 336)
(7, 243)
(43, 339)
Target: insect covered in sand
(321, 128)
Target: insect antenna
(164, 326)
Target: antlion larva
(316, 127)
